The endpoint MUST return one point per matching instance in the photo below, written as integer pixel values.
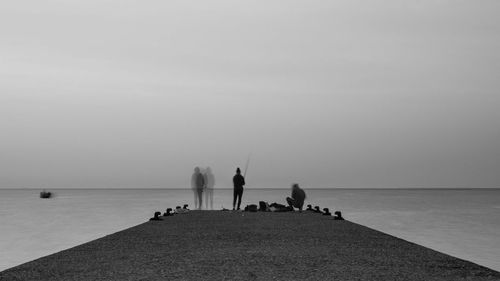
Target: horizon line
(228, 188)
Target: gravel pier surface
(227, 245)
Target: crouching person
(298, 197)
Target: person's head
(208, 170)
(295, 186)
(197, 169)
(238, 171)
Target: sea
(464, 223)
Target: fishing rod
(246, 166)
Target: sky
(328, 94)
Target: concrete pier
(225, 245)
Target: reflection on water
(462, 223)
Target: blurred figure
(197, 185)
(238, 183)
(298, 197)
(209, 188)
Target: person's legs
(294, 203)
(211, 199)
(200, 198)
(240, 194)
(206, 198)
(195, 198)
(235, 194)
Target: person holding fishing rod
(238, 183)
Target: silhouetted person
(185, 207)
(238, 183)
(209, 188)
(317, 210)
(326, 212)
(298, 197)
(309, 208)
(338, 216)
(197, 184)
(193, 186)
(156, 217)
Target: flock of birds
(169, 212)
(326, 212)
(274, 207)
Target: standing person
(209, 188)
(298, 197)
(238, 183)
(197, 184)
(193, 187)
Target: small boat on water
(45, 194)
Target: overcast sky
(323, 93)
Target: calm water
(462, 223)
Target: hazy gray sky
(324, 93)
